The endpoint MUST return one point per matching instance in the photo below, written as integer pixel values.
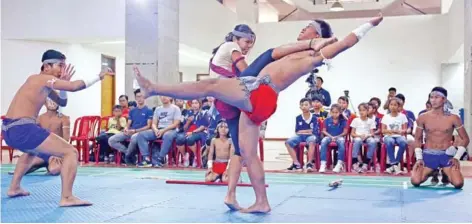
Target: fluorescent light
(337, 7)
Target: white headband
(448, 105)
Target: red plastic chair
(103, 124)
(84, 134)
(5, 147)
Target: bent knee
(458, 184)
(415, 182)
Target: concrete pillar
(468, 68)
(247, 11)
(152, 42)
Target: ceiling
(294, 10)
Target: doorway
(108, 86)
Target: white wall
(84, 20)
(452, 26)
(401, 52)
(190, 73)
(21, 59)
(452, 77)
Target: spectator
(391, 93)
(116, 124)
(164, 126)
(307, 130)
(376, 103)
(132, 105)
(410, 116)
(394, 126)
(344, 103)
(317, 109)
(335, 130)
(317, 90)
(378, 125)
(195, 130)
(139, 120)
(363, 133)
(123, 99)
(428, 108)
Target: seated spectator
(335, 130)
(428, 108)
(123, 100)
(220, 151)
(116, 124)
(165, 122)
(410, 116)
(376, 103)
(392, 91)
(132, 105)
(372, 115)
(344, 103)
(195, 130)
(307, 130)
(317, 109)
(362, 133)
(139, 120)
(394, 127)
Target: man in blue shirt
(306, 129)
(318, 91)
(139, 120)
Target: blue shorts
(435, 159)
(23, 134)
(296, 140)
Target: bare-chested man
(438, 125)
(221, 149)
(21, 131)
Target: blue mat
(128, 199)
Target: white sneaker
(339, 166)
(186, 160)
(390, 170)
(194, 164)
(322, 167)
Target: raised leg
(229, 91)
(249, 136)
(57, 146)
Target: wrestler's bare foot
(17, 192)
(73, 201)
(257, 208)
(318, 44)
(232, 203)
(144, 83)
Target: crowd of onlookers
(325, 128)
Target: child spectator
(394, 126)
(123, 99)
(220, 151)
(344, 103)
(116, 124)
(317, 109)
(306, 129)
(362, 133)
(376, 102)
(335, 130)
(378, 125)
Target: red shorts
(226, 111)
(264, 104)
(219, 168)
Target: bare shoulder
(41, 79)
(455, 119)
(65, 119)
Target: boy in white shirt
(362, 132)
(394, 127)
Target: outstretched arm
(73, 86)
